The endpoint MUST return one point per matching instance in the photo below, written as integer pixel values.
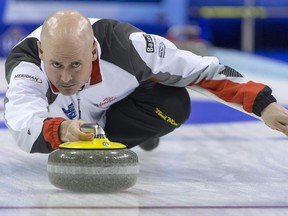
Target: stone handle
(93, 128)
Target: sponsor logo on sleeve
(161, 50)
(149, 43)
(28, 77)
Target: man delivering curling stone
(74, 70)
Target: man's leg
(151, 111)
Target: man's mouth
(67, 86)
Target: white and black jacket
(127, 56)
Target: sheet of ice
(235, 168)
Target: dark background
(271, 31)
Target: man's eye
(56, 65)
(76, 65)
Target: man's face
(68, 65)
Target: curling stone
(93, 166)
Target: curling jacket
(127, 56)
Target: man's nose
(66, 76)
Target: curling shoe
(149, 145)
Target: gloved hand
(70, 131)
(275, 116)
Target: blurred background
(254, 26)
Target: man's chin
(68, 92)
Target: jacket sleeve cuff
(261, 105)
(51, 131)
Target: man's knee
(150, 112)
(175, 105)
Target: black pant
(151, 111)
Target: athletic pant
(151, 111)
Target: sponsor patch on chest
(70, 112)
(105, 101)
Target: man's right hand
(70, 131)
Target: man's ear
(94, 51)
(40, 51)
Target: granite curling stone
(93, 166)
